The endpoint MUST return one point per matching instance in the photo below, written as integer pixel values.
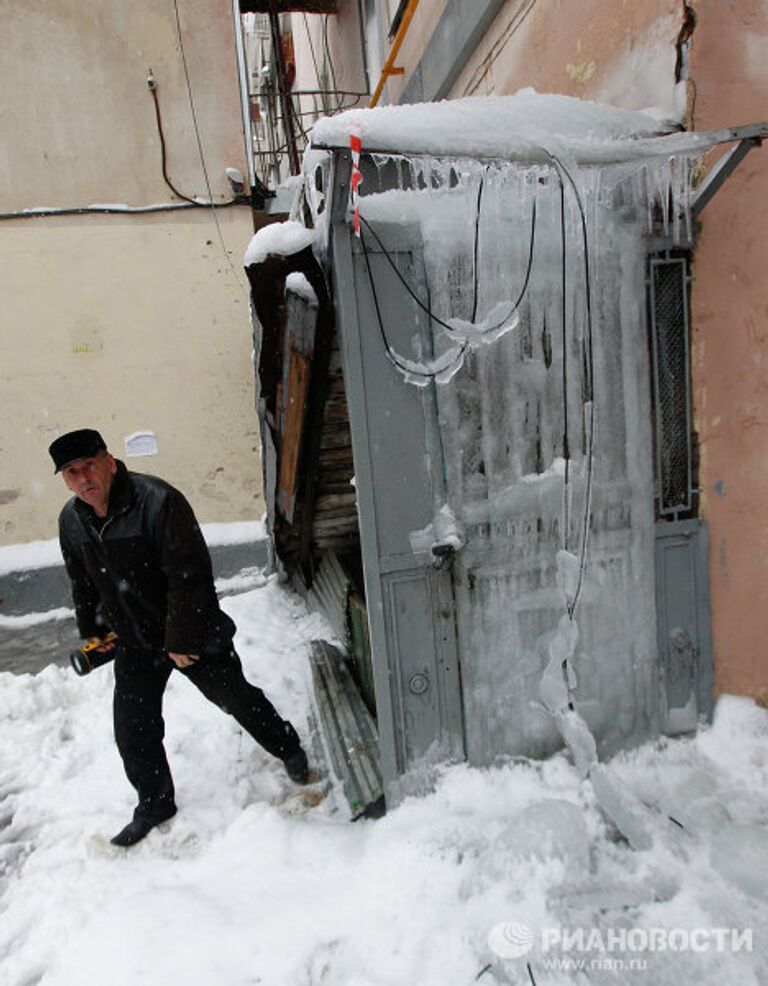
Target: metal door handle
(444, 555)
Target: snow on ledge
(29, 556)
(277, 240)
(239, 532)
(47, 554)
(35, 619)
(502, 126)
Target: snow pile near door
(247, 886)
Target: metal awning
(603, 153)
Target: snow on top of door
(498, 126)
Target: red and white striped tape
(357, 180)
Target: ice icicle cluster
(480, 237)
(628, 814)
(557, 684)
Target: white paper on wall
(141, 443)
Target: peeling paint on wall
(582, 72)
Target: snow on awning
(527, 126)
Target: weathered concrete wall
(122, 322)
(620, 53)
(730, 326)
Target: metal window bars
(668, 311)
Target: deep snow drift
(250, 885)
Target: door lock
(444, 555)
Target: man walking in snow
(139, 567)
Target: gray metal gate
(398, 476)
(683, 623)
(682, 562)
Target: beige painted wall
(122, 322)
(125, 325)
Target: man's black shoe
(140, 827)
(296, 767)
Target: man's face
(91, 480)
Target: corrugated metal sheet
(348, 729)
(329, 593)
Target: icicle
(677, 179)
(664, 185)
(691, 166)
(650, 198)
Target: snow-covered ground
(479, 881)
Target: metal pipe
(242, 71)
(282, 86)
(115, 210)
(389, 65)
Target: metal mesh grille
(669, 333)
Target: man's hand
(101, 644)
(183, 660)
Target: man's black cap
(81, 444)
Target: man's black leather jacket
(146, 573)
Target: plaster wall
(78, 121)
(729, 67)
(617, 52)
(122, 322)
(126, 325)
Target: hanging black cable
(590, 422)
(428, 311)
(566, 444)
(475, 290)
(399, 361)
(163, 155)
(587, 275)
(198, 138)
(314, 62)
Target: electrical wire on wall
(152, 86)
(200, 150)
(589, 423)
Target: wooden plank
(336, 439)
(336, 456)
(338, 522)
(335, 501)
(295, 400)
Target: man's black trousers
(140, 680)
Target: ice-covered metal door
(399, 476)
